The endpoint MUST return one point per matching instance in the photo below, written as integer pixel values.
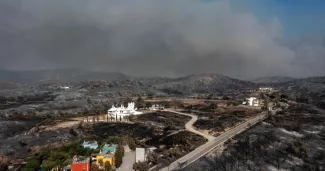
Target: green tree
(33, 163)
(141, 166)
(108, 166)
(132, 143)
(119, 155)
(113, 140)
(67, 162)
(48, 165)
(59, 157)
(28, 169)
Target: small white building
(270, 106)
(140, 154)
(252, 101)
(156, 107)
(120, 113)
(266, 89)
(65, 87)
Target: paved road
(209, 146)
(189, 125)
(128, 160)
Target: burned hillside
(293, 140)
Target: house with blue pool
(109, 148)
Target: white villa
(266, 89)
(119, 113)
(252, 101)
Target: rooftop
(110, 145)
(80, 159)
(90, 143)
(106, 155)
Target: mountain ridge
(273, 79)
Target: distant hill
(7, 85)
(268, 80)
(308, 84)
(64, 75)
(203, 83)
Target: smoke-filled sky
(165, 37)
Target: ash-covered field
(290, 140)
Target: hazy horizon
(164, 38)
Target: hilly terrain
(56, 76)
(268, 80)
(93, 92)
(203, 83)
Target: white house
(252, 101)
(119, 113)
(156, 107)
(266, 89)
(140, 155)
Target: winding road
(202, 150)
(189, 125)
(212, 143)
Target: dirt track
(189, 125)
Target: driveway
(189, 125)
(128, 160)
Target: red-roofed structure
(81, 163)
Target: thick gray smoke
(149, 38)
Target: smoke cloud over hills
(151, 38)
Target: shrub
(141, 166)
(113, 140)
(33, 163)
(48, 165)
(108, 166)
(28, 169)
(130, 141)
(119, 155)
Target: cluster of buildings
(266, 89)
(106, 154)
(254, 101)
(156, 107)
(82, 163)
